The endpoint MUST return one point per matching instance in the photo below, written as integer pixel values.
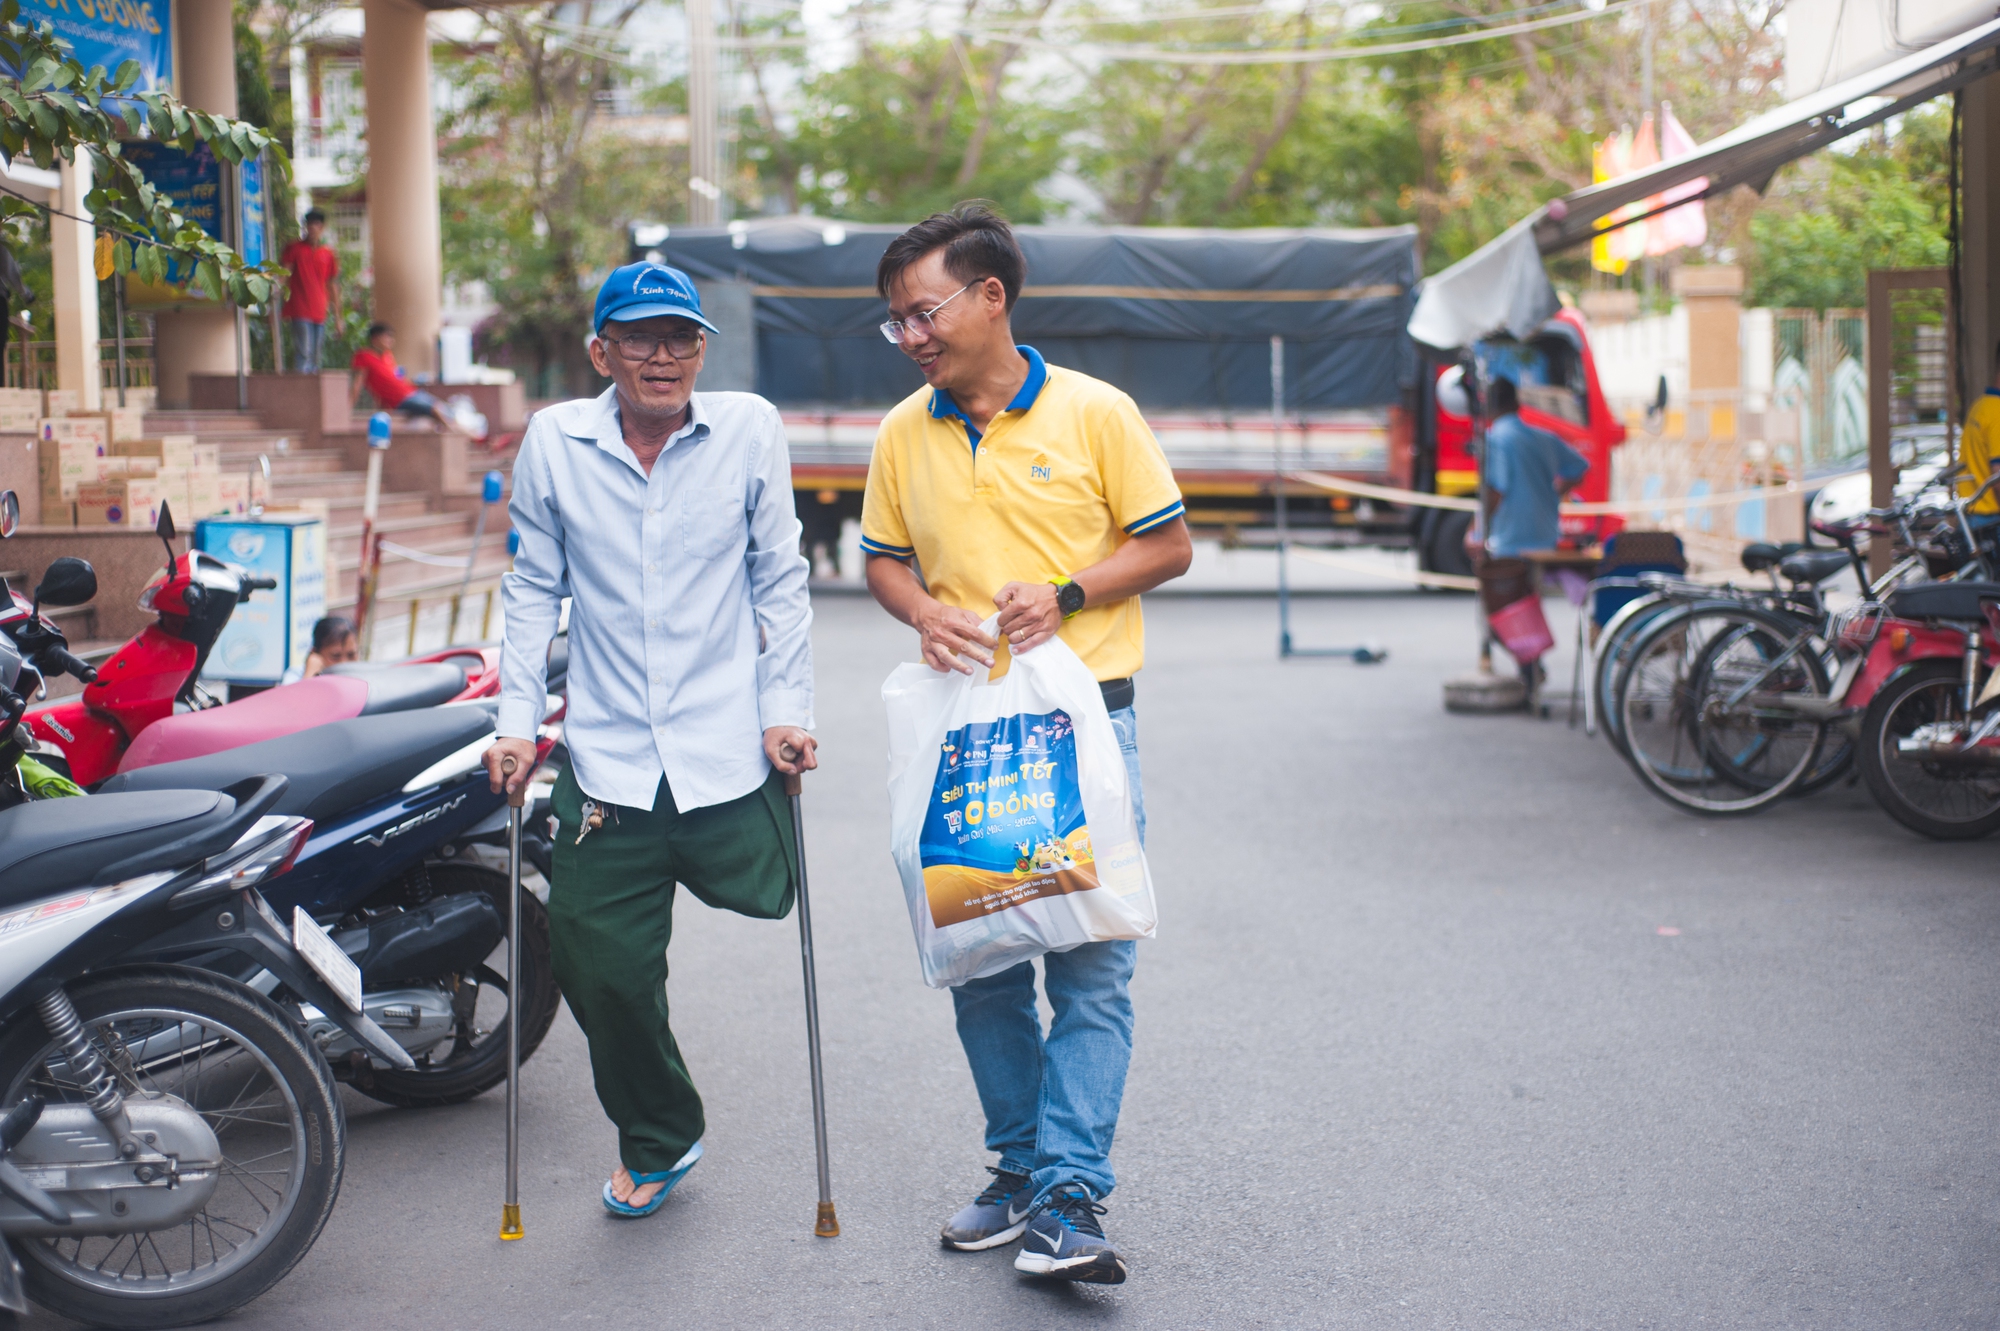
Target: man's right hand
(522, 751)
(947, 632)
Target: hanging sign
(194, 182)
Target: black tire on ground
(1944, 802)
(312, 1122)
(1446, 551)
(465, 1072)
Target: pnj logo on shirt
(1039, 469)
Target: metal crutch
(510, 1213)
(827, 1225)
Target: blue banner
(110, 32)
(256, 243)
(193, 180)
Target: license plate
(326, 958)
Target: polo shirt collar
(944, 408)
(1993, 392)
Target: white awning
(1752, 153)
(1498, 288)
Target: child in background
(333, 644)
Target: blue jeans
(307, 339)
(1051, 1102)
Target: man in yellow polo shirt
(1978, 444)
(1040, 492)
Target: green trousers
(611, 914)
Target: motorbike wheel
(477, 1058)
(1941, 800)
(269, 1096)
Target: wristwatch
(1069, 597)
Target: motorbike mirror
(1660, 396)
(164, 529)
(67, 581)
(10, 513)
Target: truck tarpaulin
(1178, 318)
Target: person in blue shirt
(1527, 472)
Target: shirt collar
(599, 422)
(944, 408)
(1993, 392)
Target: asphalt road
(1417, 1046)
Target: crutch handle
(516, 796)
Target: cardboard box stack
(20, 410)
(129, 500)
(70, 455)
(189, 473)
(59, 402)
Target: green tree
(912, 126)
(539, 181)
(1884, 204)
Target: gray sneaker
(1066, 1242)
(996, 1216)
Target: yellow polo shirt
(1061, 478)
(1977, 445)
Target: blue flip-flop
(667, 1176)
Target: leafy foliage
(1882, 205)
(53, 108)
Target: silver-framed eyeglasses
(681, 344)
(922, 321)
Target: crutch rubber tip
(827, 1226)
(510, 1222)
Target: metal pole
(1278, 489)
(704, 162)
(826, 1225)
(118, 314)
(510, 1213)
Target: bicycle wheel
(1661, 706)
(1949, 800)
(1745, 684)
(1613, 657)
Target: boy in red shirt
(375, 368)
(315, 269)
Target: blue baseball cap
(647, 291)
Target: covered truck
(1251, 352)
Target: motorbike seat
(333, 768)
(1942, 600)
(1813, 566)
(1761, 555)
(280, 711)
(47, 846)
(404, 688)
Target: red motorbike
(145, 705)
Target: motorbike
(408, 868)
(146, 705)
(171, 1144)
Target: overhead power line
(1297, 55)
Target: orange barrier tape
(1415, 498)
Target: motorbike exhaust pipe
(1933, 750)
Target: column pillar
(199, 340)
(72, 257)
(405, 249)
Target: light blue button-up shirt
(689, 622)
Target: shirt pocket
(712, 521)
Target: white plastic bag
(1011, 816)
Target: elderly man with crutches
(666, 517)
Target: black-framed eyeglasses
(682, 344)
(922, 321)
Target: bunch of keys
(593, 818)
